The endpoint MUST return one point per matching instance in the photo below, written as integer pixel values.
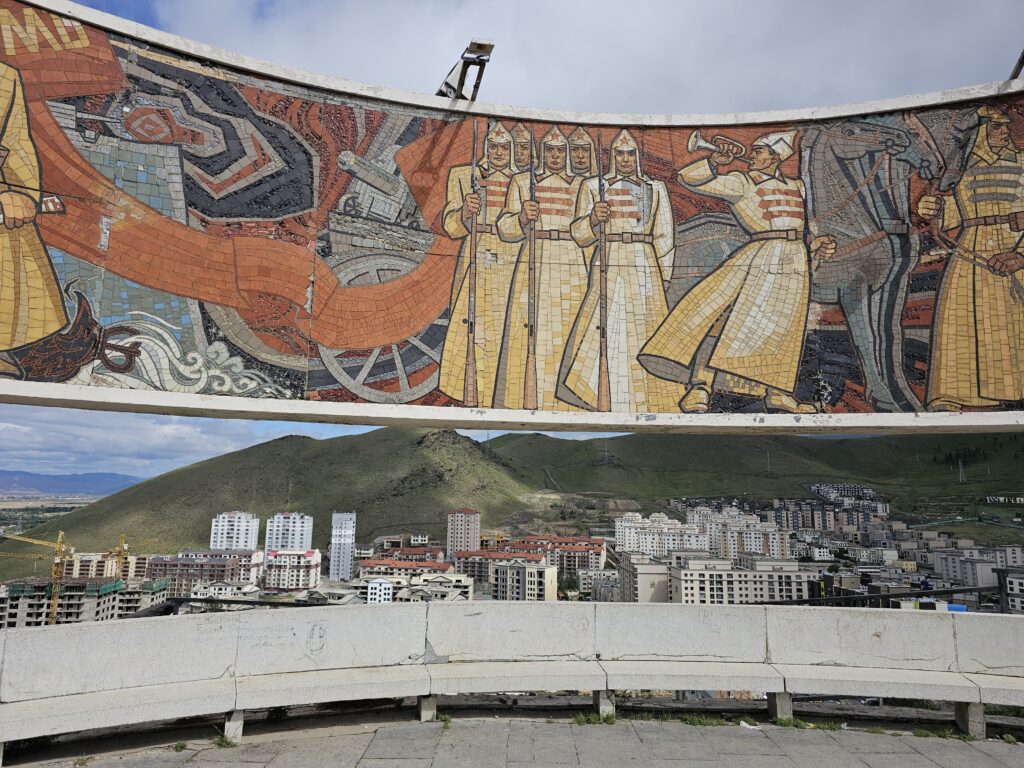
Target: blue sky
(650, 56)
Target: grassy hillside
(907, 469)
(406, 479)
(396, 479)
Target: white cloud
(657, 56)
(55, 440)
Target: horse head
(855, 138)
(953, 132)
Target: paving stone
(550, 743)
(875, 743)
(1011, 755)
(899, 760)
(952, 753)
(731, 740)
(395, 762)
(836, 757)
(415, 740)
(341, 752)
(605, 742)
(673, 741)
(792, 740)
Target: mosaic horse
(858, 174)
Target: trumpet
(699, 142)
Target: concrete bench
(79, 677)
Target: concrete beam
(427, 708)
(604, 704)
(970, 718)
(233, 726)
(223, 406)
(780, 705)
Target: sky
(646, 56)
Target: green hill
(396, 479)
(907, 469)
(406, 479)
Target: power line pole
(768, 452)
(963, 477)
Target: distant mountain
(407, 479)
(87, 483)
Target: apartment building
(235, 530)
(343, 544)
(463, 530)
(386, 567)
(751, 579)
(183, 573)
(416, 553)
(290, 531)
(642, 578)
(604, 587)
(292, 570)
(521, 580)
(479, 564)
(101, 565)
(443, 587)
(26, 602)
(250, 561)
(656, 535)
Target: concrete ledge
(999, 689)
(720, 633)
(510, 631)
(499, 677)
(290, 689)
(989, 645)
(107, 709)
(692, 675)
(861, 681)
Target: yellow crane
(121, 551)
(62, 552)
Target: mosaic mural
(174, 225)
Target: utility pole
(768, 452)
(960, 464)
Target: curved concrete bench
(70, 678)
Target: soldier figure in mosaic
(628, 214)
(581, 154)
(522, 147)
(977, 346)
(31, 304)
(560, 277)
(741, 329)
(495, 263)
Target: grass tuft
(694, 718)
(1009, 738)
(180, 746)
(445, 720)
(790, 722)
(829, 725)
(224, 742)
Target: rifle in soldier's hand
(530, 384)
(469, 396)
(604, 398)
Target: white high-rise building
(463, 531)
(292, 570)
(343, 545)
(289, 530)
(235, 530)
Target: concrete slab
(294, 688)
(512, 631)
(1010, 755)
(908, 760)
(726, 740)
(344, 751)
(862, 742)
(405, 742)
(681, 632)
(861, 637)
(106, 709)
(599, 745)
(672, 741)
(952, 753)
(691, 675)
(107, 659)
(334, 637)
(989, 644)
(544, 743)
(497, 677)
(858, 681)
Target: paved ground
(504, 743)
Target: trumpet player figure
(741, 329)
(977, 349)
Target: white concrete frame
(112, 399)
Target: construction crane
(121, 551)
(62, 552)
